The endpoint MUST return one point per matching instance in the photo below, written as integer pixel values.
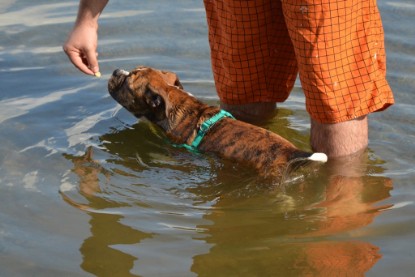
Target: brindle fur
(159, 96)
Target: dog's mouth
(119, 88)
(119, 76)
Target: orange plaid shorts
(337, 46)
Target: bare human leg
(340, 139)
(335, 140)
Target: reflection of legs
(339, 258)
(253, 59)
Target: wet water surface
(86, 189)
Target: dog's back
(262, 149)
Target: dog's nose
(119, 72)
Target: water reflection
(309, 228)
(251, 227)
(99, 255)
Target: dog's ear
(171, 79)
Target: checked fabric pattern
(258, 47)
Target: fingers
(91, 57)
(85, 62)
(81, 47)
(77, 60)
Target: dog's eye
(152, 99)
(156, 101)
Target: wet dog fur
(159, 96)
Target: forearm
(89, 11)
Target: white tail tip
(318, 157)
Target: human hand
(81, 48)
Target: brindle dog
(159, 96)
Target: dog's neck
(184, 115)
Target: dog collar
(204, 128)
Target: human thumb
(93, 62)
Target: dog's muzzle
(117, 79)
(119, 72)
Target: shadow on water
(251, 227)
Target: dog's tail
(306, 157)
(318, 157)
(300, 159)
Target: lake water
(86, 190)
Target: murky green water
(86, 190)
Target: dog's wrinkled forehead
(159, 77)
(136, 72)
(140, 70)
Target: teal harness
(204, 128)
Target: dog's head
(159, 96)
(144, 91)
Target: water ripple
(50, 14)
(15, 107)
